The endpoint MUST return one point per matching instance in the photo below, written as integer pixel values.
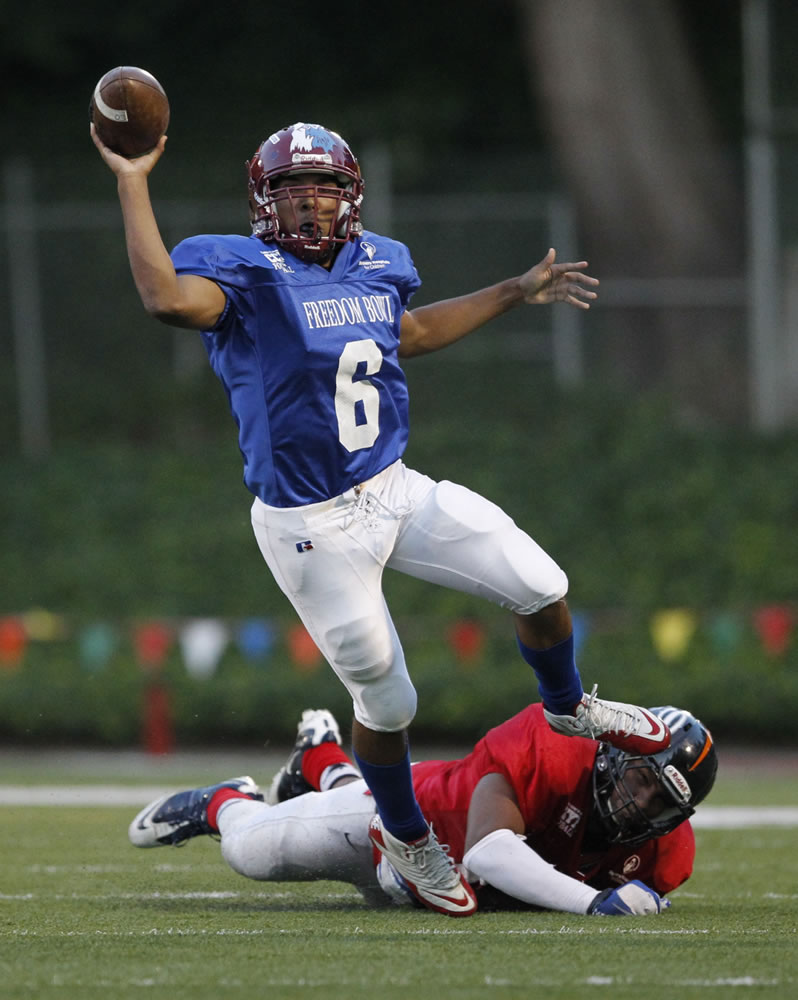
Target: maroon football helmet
(303, 148)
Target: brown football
(130, 110)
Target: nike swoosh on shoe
(658, 731)
(464, 902)
(145, 816)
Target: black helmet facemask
(685, 773)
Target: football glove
(631, 900)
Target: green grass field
(83, 914)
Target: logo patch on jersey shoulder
(569, 820)
(277, 261)
(631, 864)
(305, 546)
(369, 250)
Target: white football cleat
(427, 871)
(625, 727)
(393, 885)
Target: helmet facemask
(684, 773)
(312, 240)
(623, 821)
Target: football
(130, 110)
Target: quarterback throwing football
(305, 322)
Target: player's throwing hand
(121, 164)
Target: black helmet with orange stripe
(685, 774)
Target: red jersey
(552, 777)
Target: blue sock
(559, 683)
(392, 788)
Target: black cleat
(316, 726)
(175, 818)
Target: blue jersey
(308, 358)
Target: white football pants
(320, 835)
(328, 558)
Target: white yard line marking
(81, 795)
(738, 817)
(286, 932)
(706, 818)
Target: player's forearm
(150, 264)
(504, 861)
(443, 323)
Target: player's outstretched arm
(497, 855)
(179, 300)
(433, 327)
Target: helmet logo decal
(306, 138)
(677, 782)
(311, 158)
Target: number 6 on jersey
(357, 402)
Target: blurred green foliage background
(643, 516)
(645, 481)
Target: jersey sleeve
(674, 855)
(663, 863)
(409, 281)
(396, 256)
(216, 258)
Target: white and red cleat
(625, 727)
(428, 871)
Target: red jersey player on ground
(534, 818)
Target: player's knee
(371, 664)
(388, 705)
(557, 589)
(243, 858)
(545, 586)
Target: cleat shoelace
(613, 720)
(435, 864)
